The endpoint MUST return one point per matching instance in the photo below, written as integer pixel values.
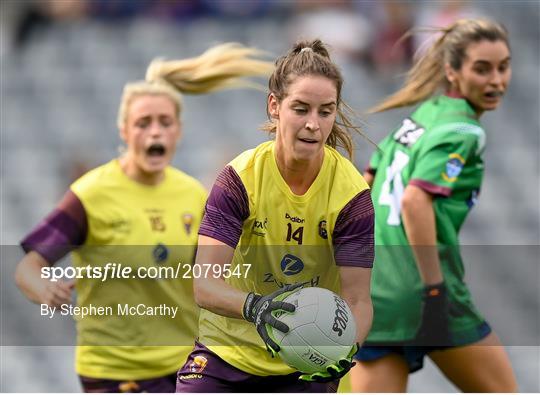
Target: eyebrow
(332, 103)
(481, 61)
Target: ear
(123, 134)
(451, 75)
(273, 106)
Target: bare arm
(355, 284)
(37, 289)
(419, 222)
(215, 294)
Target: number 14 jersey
(283, 238)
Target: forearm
(219, 297)
(363, 316)
(420, 226)
(355, 290)
(211, 293)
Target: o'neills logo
(341, 317)
(298, 220)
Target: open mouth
(156, 150)
(309, 141)
(494, 94)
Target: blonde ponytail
(221, 67)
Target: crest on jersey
(198, 364)
(187, 220)
(160, 253)
(322, 229)
(453, 167)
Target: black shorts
(413, 355)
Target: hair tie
(306, 49)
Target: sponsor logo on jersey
(259, 227)
(187, 220)
(341, 317)
(298, 220)
(453, 167)
(408, 133)
(291, 265)
(198, 364)
(322, 229)
(270, 278)
(160, 253)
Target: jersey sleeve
(441, 159)
(226, 209)
(353, 235)
(63, 230)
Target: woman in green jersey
(425, 178)
(138, 212)
(290, 211)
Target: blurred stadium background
(63, 66)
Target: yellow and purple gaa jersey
(104, 218)
(282, 238)
(438, 149)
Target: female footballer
(291, 199)
(426, 178)
(139, 212)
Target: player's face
(484, 75)
(305, 118)
(151, 132)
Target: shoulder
(453, 121)
(248, 160)
(94, 180)
(345, 175)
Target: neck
(134, 172)
(299, 175)
(457, 95)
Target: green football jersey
(439, 149)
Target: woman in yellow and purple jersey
(426, 178)
(290, 212)
(138, 212)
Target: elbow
(200, 294)
(18, 277)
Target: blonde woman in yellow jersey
(139, 212)
(291, 212)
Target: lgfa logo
(291, 265)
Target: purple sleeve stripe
(353, 233)
(226, 209)
(220, 226)
(61, 232)
(431, 188)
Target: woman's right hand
(57, 293)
